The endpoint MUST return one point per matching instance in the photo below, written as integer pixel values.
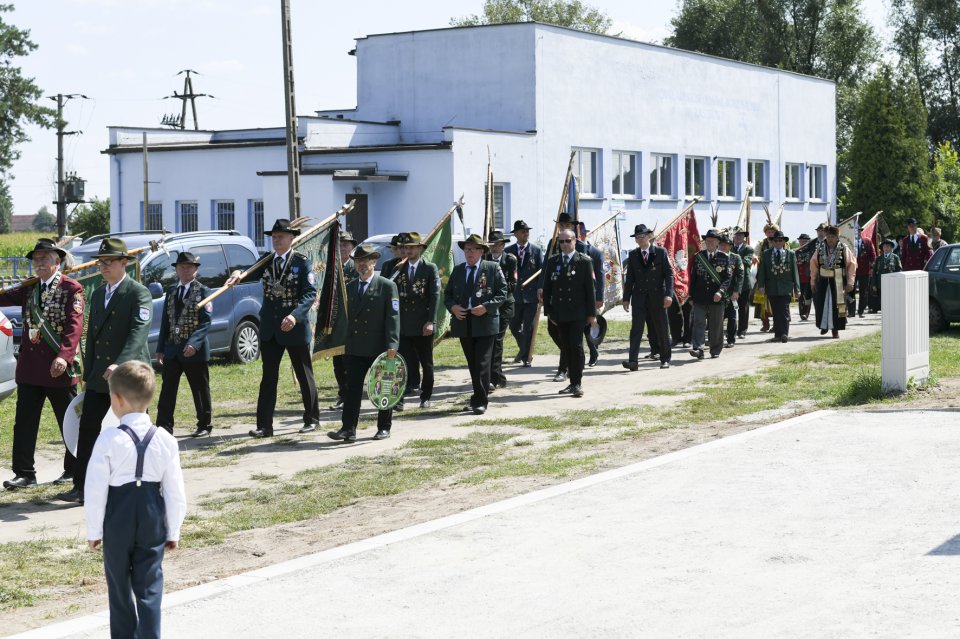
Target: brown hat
(113, 247)
(347, 236)
(365, 252)
(770, 225)
(412, 239)
(473, 239)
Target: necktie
(278, 265)
(413, 270)
(43, 291)
(470, 270)
(108, 295)
(363, 287)
(566, 260)
(710, 256)
(522, 250)
(178, 300)
(644, 257)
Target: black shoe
(577, 391)
(342, 435)
(425, 403)
(714, 355)
(527, 364)
(479, 410)
(696, 352)
(560, 377)
(652, 356)
(307, 428)
(686, 345)
(338, 405)
(65, 478)
(203, 431)
(75, 495)
(413, 390)
(729, 345)
(630, 366)
(775, 338)
(501, 384)
(399, 407)
(260, 433)
(741, 335)
(490, 389)
(593, 360)
(860, 314)
(20, 482)
(664, 364)
(382, 434)
(517, 359)
(566, 390)
(803, 318)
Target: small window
(154, 219)
(585, 169)
(625, 174)
(791, 181)
(726, 178)
(757, 175)
(213, 265)
(661, 176)
(189, 220)
(239, 257)
(953, 260)
(224, 219)
(499, 192)
(256, 223)
(696, 176)
(816, 190)
(937, 260)
(160, 270)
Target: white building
(652, 125)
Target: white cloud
(230, 66)
(632, 31)
(72, 48)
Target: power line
(187, 95)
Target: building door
(357, 218)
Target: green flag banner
(439, 250)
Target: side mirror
(155, 289)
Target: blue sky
(125, 54)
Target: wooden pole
(685, 210)
(30, 281)
(266, 259)
(436, 229)
(553, 244)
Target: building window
(792, 181)
(696, 176)
(585, 169)
(757, 175)
(188, 218)
(499, 197)
(154, 217)
(256, 223)
(661, 176)
(726, 178)
(625, 174)
(816, 188)
(223, 219)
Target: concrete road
(827, 525)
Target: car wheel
(246, 343)
(937, 323)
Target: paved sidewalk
(827, 525)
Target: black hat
(283, 226)
(473, 239)
(889, 241)
(803, 236)
(566, 218)
(641, 229)
(396, 240)
(186, 257)
(520, 225)
(496, 236)
(411, 239)
(822, 226)
(738, 231)
(725, 238)
(714, 233)
(912, 220)
(829, 229)
(113, 247)
(347, 236)
(365, 252)
(46, 244)
(600, 333)
(779, 236)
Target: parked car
(235, 329)
(382, 244)
(8, 363)
(944, 272)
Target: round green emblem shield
(386, 381)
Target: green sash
(713, 274)
(49, 335)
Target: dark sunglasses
(565, 241)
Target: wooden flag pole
(266, 259)
(685, 210)
(601, 224)
(436, 229)
(553, 243)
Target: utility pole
(146, 187)
(293, 151)
(187, 94)
(61, 202)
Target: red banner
(682, 241)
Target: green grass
(36, 569)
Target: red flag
(871, 231)
(682, 242)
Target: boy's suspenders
(141, 446)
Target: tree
(45, 220)
(572, 13)
(6, 209)
(946, 189)
(18, 95)
(889, 167)
(91, 220)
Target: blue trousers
(134, 531)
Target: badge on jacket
(144, 313)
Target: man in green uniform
(508, 264)
(779, 280)
(347, 244)
(711, 282)
(373, 316)
(418, 284)
(473, 295)
(742, 248)
(121, 312)
(396, 249)
(731, 311)
(887, 262)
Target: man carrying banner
(473, 295)
(711, 281)
(373, 316)
(418, 285)
(866, 256)
(649, 286)
(347, 244)
(745, 251)
(778, 279)
(288, 297)
(832, 273)
(48, 367)
(731, 311)
(529, 261)
(508, 265)
(914, 248)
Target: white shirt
(114, 463)
(47, 282)
(412, 267)
(186, 288)
(282, 257)
(108, 294)
(365, 283)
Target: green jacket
(117, 333)
(884, 264)
(738, 273)
(746, 255)
(508, 264)
(373, 321)
(489, 290)
(568, 291)
(778, 279)
(419, 297)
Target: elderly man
(936, 238)
(832, 272)
(529, 261)
(649, 287)
(569, 303)
(711, 282)
(473, 295)
(121, 313)
(48, 367)
(779, 280)
(914, 248)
